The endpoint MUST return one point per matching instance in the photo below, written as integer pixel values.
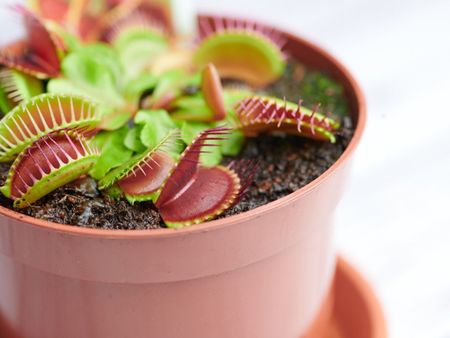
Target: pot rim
(239, 218)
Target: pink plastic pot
(260, 274)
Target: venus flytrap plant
(147, 118)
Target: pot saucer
(352, 310)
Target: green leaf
(135, 88)
(137, 50)
(113, 152)
(153, 133)
(92, 72)
(22, 86)
(133, 140)
(154, 116)
(113, 120)
(233, 96)
(189, 131)
(157, 123)
(233, 144)
(192, 108)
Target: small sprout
(240, 50)
(40, 116)
(193, 193)
(213, 92)
(257, 114)
(16, 87)
(36, 53)
(141, 177)
(51, 162)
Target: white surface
(394, 221)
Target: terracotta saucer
(352, 310)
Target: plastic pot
(264, 273)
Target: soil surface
(285, 164)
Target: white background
(394, 222)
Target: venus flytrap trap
(36, 53)
(141, 177)
(148, 118)
(16, 87)
(258, 114)
(50, 162)
(42, 115)
(241, 50)
(194, 193)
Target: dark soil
(286, 163)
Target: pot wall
(264, 273)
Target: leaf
(192, 108)
(232, 145)
(138, 50)
(138, 86)
(113, 152)
(34, 52)
(154, 116)
(213, 92)
(170, 87)
(142, 176)
(114, 119)
(133, 140)
(194, 193)
(90, 72)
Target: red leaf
(208, 194)
(45, 156)
(143, 181)
(188, 165)
(213, 92)
(259, 114)
(36, 52)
